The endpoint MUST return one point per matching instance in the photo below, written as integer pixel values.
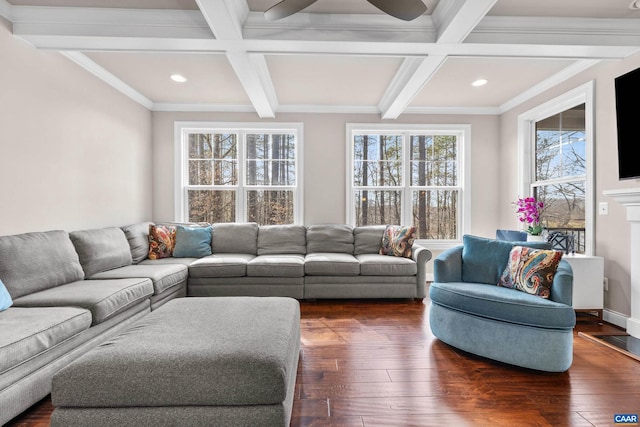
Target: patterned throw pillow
(531, 270)
(397, 240)
(162, 239)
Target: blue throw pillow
(484, 260)
(192, 242)
(5, 298)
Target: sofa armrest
(562, 287)
(421, 256)
(447, 267)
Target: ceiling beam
(108, 78)
(226, 18)
(454, 20)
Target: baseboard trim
(615, 318)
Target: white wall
(612, 231)
(324, 164)
(74, 153)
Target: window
(408, 174)
(250, 172)
(558, 170)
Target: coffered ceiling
(335, 56)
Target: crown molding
(193, 108)
(483, 111)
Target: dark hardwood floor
(375, 363)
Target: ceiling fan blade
(285, 8)
(406, 10)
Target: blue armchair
(470, 312)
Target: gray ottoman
(228, 361)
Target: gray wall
(612, 231)
(74, 153)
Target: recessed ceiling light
(635, 5)
(178, 78)
(479, 82)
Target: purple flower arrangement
(528, 210)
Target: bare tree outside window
(213, 163)
(259, 181)
(560, 172)
(383, 182)
(271, 170)
(434, 178)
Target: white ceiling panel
(211, 79)
(506, 77)
(331, 79)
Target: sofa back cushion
(138, 237)
(101, 249)
(235, 238)
(368, 239)
(34, 262)
(282, 239)
(336, 238)
(484, 260)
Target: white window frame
(183, 129)
(463, 134)
(526, 148)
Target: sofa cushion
(5, 297)
(162, 239)
(221, 265)
(484, 260)
(101, 249)
(383, 265)
(331, 264)
(192, 242)
(103, 298)
(397, 240)
(172, 260)
(502, 304)
(33, 262)
(282, 239)
(368, 239)
(531, 270)
(330, 238)
(28, 332)
(282, 265)
(235, 238)
(138, 237)
(163, 276)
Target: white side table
(588, 287)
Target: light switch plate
(603, 208)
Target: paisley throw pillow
(397, 240)
(162, 240)
(531, 270)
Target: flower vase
(538, 238)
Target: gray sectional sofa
(73, 291)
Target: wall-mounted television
(628, 123)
